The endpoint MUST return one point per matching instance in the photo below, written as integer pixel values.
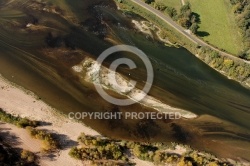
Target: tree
(149, 1)
(228, 63)
(159, 6)
(194, 28)
(186, 17)
(75, 153)
(185, 8)
(28, 156)
(214, 54)
(238, 8)
(81, 138)
(184, 22)
(194, 19)
(137, 150)
(213, 164)
(158, 157)
(172, 12)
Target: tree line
(104, 151)
(185, 17)
(241, 9)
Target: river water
(181, 80)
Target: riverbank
(20, 102)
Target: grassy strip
(17, 121)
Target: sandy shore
(17, 101)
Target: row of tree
(235, 69)
(241, 9)
(186, 18)
(99, 149)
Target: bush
(172, 12)
(97, 148)
(75, 153)
(18, 121)
(159, 6)
(49, 143)
(28, 156)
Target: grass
(218, 20)
(171, 3)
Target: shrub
(49, 143)
(28, 156)
(16, 120)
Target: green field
(218, 20)
(171, 3)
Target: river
(181, 80)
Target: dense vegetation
(28, 156)
(241, 9)
(234, 68)
(188, 19)
(101, 151)
(18, 121)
